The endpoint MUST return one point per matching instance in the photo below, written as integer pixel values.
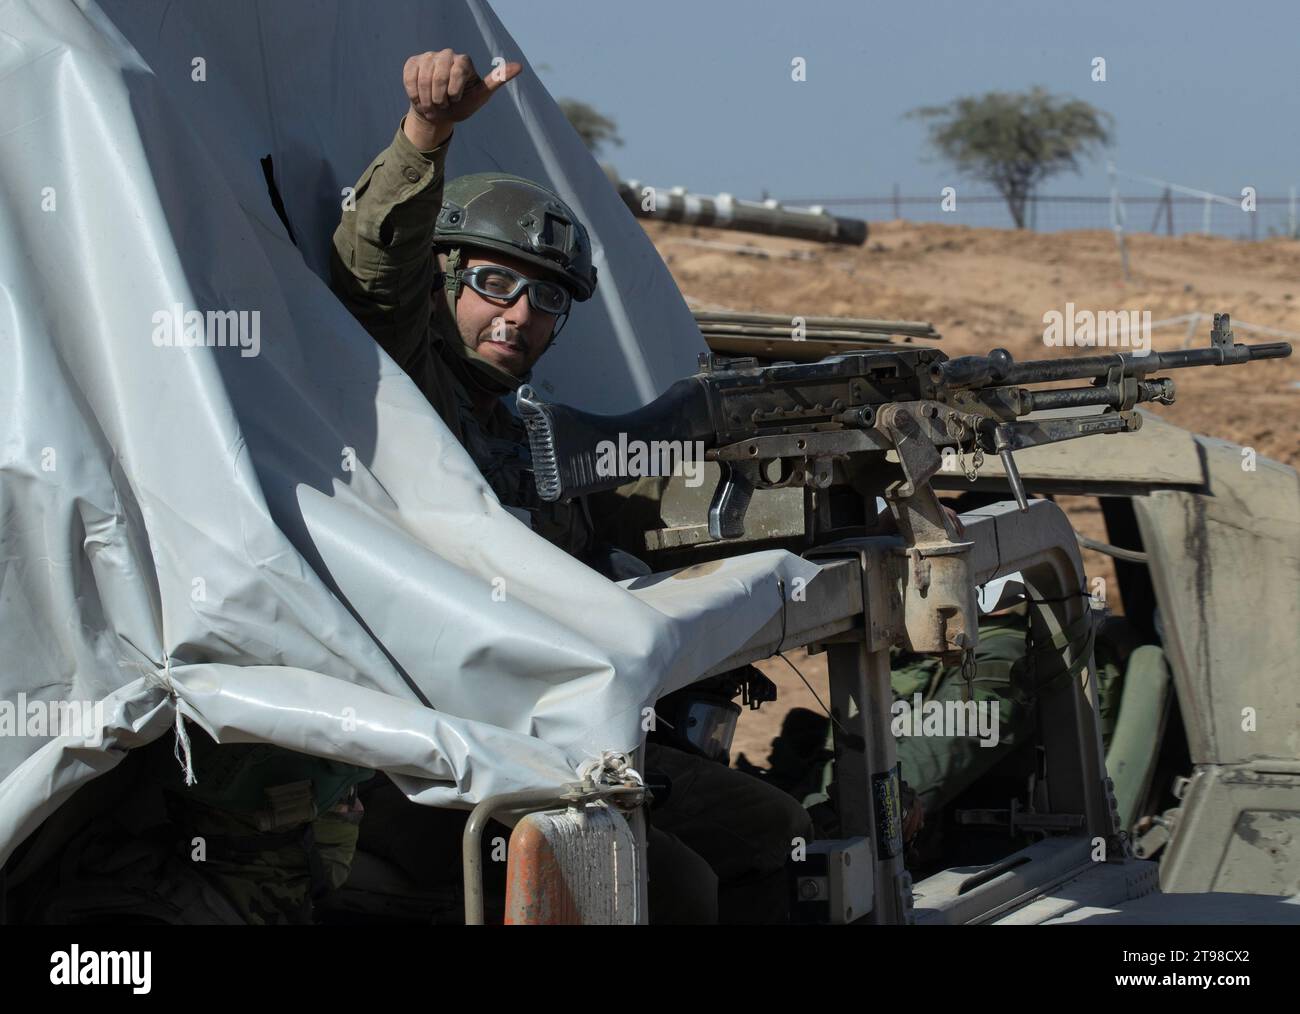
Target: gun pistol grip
(731, 500)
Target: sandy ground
(983, 288)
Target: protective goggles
(498, 283)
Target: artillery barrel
(726, 212)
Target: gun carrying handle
(731, 499)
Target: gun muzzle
(1268, 350)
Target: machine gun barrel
(998, 368)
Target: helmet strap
(452, 277)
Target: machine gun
(830, 427)
(829, 424)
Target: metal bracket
(1016, 820)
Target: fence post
(1167, 206)
(1117, 220)
(1294, 234)
(898, 208)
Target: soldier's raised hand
(444, 89)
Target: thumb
(501, 74)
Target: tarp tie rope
(780, 591)
(611, 768)
(181, 745)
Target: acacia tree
(595, 129)
(1015, 140)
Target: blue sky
(1203, 94)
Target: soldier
(935, 769)
(264, 835)
(938, 770)
(466, 286)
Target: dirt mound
(987, 287)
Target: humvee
(1198, 795)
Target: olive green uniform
(382, 269)
(940, 768)
(258, 840)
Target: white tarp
(288, 547)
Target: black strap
(1043, 661)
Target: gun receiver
(830, 423)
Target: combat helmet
(496, 211)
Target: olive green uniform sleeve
(382, 264)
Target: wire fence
(1168, 213)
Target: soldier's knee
(683, 888)
(798, 823)
(789, 825)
